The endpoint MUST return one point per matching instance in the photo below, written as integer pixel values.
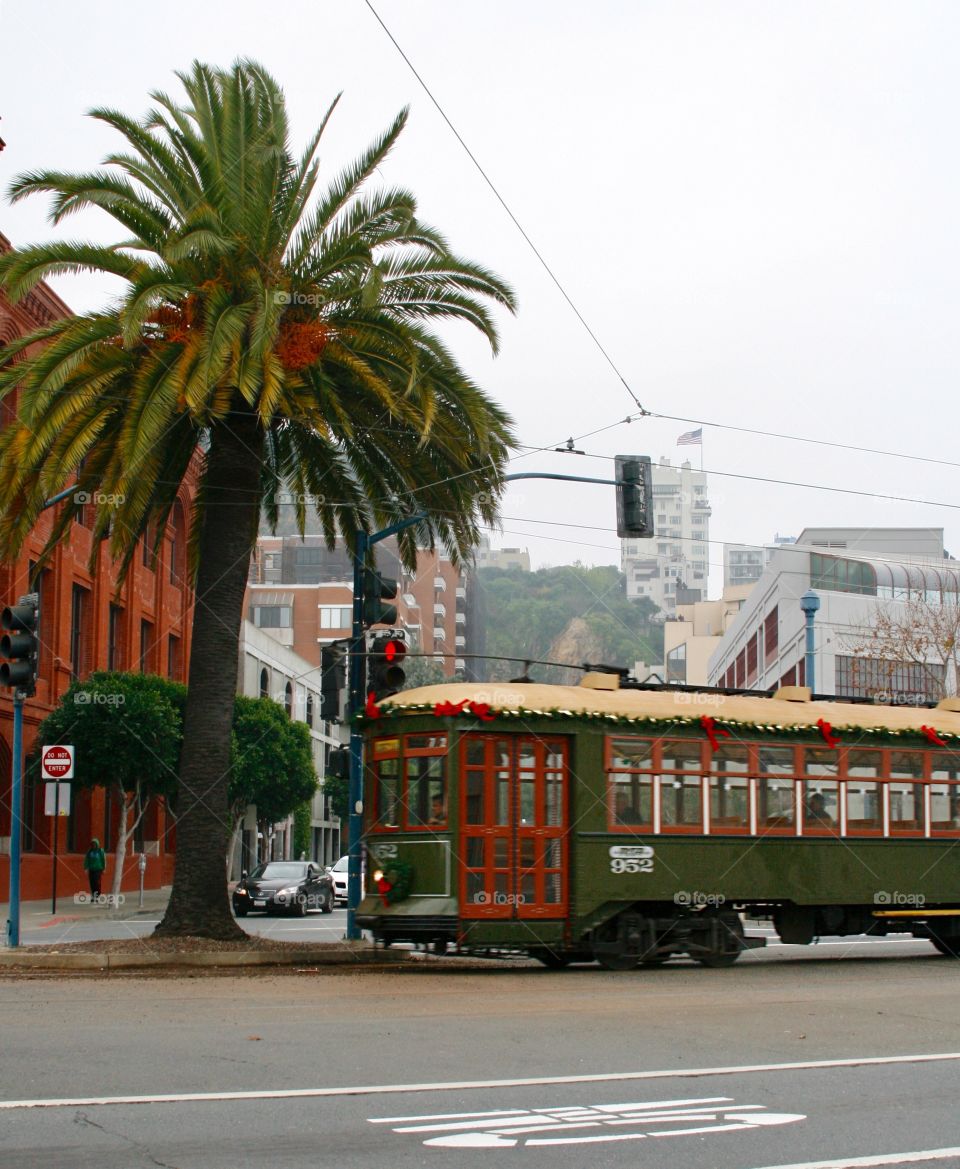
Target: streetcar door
(513, 816)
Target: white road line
(878, 1159)
(469, 1085)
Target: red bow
(827, 731)
(481, 710)
(442, 709)
(371, 710)
(711, 730)
(933, 737)
(383, 888)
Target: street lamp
(810, 603)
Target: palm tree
(278, 333)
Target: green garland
(653, 724)
(399, 876)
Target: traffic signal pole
(363, 542)
(16, 822)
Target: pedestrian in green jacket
(95, 862)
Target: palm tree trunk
(199, 904)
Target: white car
(339, 874)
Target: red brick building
(87, 625)
(302, 593)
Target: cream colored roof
(662, 704)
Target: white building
(269, 669)
(853, 571)
(742, 564)
(678, 555)
(486, 557)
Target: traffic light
(333, 678)
(634, 496)
(20, 644)
(338, 763)
(385, 674)
(376, 590)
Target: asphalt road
(679, 1066)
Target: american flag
(691, 438)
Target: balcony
(439, 583)
(439, 633)
(460, 618)
(439, 610)
(460, 642)
(461, 593)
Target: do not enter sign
(56, 762)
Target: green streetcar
(629, 826)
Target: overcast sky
(753, 205)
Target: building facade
(269, 669)
(301, 592)
(856, 573)
(87, 623)
(678, 556)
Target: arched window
(288, 699)
(264, 683)
(308, 715)
(178, 545)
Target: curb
(234, 959)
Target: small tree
(272, 763)
(917, 632)
(127, 730)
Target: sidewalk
(108, 955)
(37, 915)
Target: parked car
(284, 887)
(339, 875)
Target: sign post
(56, 763)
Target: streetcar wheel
(552, 959)
(732, 933)
(618, 961)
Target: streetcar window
(426, 794)
(945, 795)
(907, 811)
(632, 803)
(629, 790)
(820, 806)
(864, 792)
(730, 789)
(681, 803)
(776, 799)
(631, 754)
(475, 813)
(387, 793)
(681, 756)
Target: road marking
(654, 1118)
(878, 1159)
(469, 1085)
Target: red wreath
(371, 710)
(827, 731)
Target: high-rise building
(676, 559)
